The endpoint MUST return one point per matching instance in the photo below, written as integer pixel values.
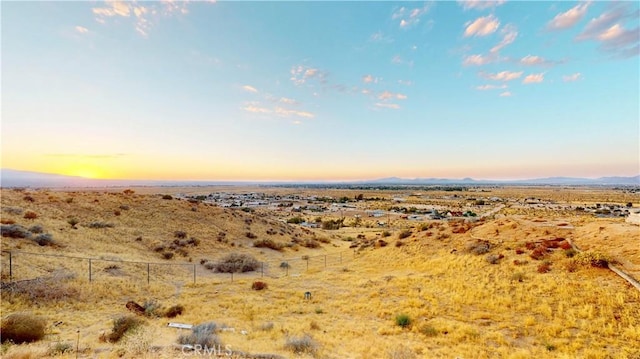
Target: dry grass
(459, 304)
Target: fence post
(287, 270)
(148, 272)
(325, 261)
(262, 270)
(307, 263)
(89, 269)
(340, 257)
(232, 277)
(10, 268)
(194, 274)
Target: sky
(276, 90)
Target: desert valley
(280, 272)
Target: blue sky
(321, 90)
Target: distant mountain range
(14, 178)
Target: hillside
(505, 287)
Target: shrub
(284, 265)
(193, 241)
(151, 308)
(520, 263)
(594, 259)
(404, 234)
(267, 243)
(571, 266)
(28, 198)
(45, 239)
(30, 215)
(174, 311)
(258, 285)
(301, 345)
(332, 224)
(203, 335)
(14, 231)
(538, 253)
(310, 243)
(251, 235)
(13, 210)
(43, 290)
(519, 251)
(494, 258)
(60, 348)
(167, 196)
(429, 331)
(518, 276)
(386, 234)
(399, 243)
(565, 245)
(403, 320)
(237, 263)
(73, 222)
(180, 234)
(98, 225)
(266, 326)
(544, 268)
(36, 229)
(121, 326)
(22, 328)
(124, 207)
(570, 253)
(7, 221)
(167, 255)
(479, 247)
(296, 220)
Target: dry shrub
(479, 247)
(404, 234)
(519, 250)
(539, 253)
(571, 266)
(544, 268)
(30, 215)
(565, 245)
(595, 259)
(121, 326)
(237, 263)
(42, 290)
(530, 246)
(7, 221)
(301, 345)
(14, 231)
(98, 225)
(251, 235)
(174, 311)
(520, 263)
(203, 335)
(180, 234)
(494, 258)
(259, 285)
(268, 243)
(310, 243)
(22, 328)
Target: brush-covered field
(506, 286)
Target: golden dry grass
(459, 303)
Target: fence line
(288, 266)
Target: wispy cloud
(502, 76)
(568, 18)
(250, 107)
(533, 78)
(478, 60)
(608, 30)
(380, 37)
(288, 101)
(286, 113)
(388, 95)
(509, 34)
(506, 94)
(410, 17)
(482, 26)
(398, 60)
(532, 60)
(300, 74)
(249, 88)
(367, 79)
(81, 29)
(480, 4)
(490, 87)
(393, 106)
(573, 77)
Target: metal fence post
(194, 274)
(262, 270)
(10, 268)
(89, 269)
(148, 272)
(307, 263)
(340, 257)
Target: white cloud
(533, 78)
(482, 26)
(478, 60)
(285, 112)
(301, 74)
(256, 109)
(388, 95)
(506, 94)
(380, 37)
(608, 30)
(533, 60)
(509, 34)
(568, 18)
(573, 77)
(490, 87)
(249, 88)
(288, 101)
(480, 4)
(81, 30)
(502, 76)
(410, 17)
(367, 79)
(388, 105)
